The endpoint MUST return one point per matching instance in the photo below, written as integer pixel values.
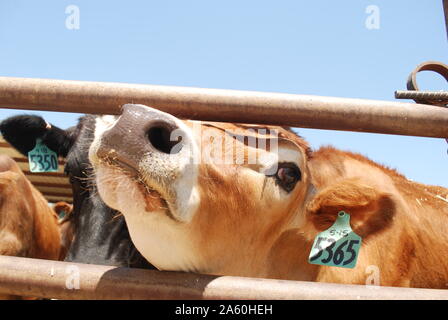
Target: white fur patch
(176, 174)
(102, 124)
(269, 160)
(163, 241)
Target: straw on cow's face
(199, 196)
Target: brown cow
(258, 215)
(28, 226)
(64, 210)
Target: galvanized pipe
(55, 279)
(228, 106)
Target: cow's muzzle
(156, 147)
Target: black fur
(22, 132)
(101, 234)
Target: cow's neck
(288, 258)
(101, 237)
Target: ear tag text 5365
(338, 246)
(42, 158)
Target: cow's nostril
(164, 139)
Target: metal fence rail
(56, 279)
(228, 106)
(50, 279)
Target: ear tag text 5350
(42, 158)
(338, 246)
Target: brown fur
(28, 226)
(246, 225)
(402, 223)
(66, 226)
(406, 239)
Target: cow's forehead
(286, 137)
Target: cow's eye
(288, 174)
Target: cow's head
(200, 196)
(100, 233)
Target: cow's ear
(371, 210)
(23, 131)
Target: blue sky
(302, 47)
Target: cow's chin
(160, 238)
(124, 192)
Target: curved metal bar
(433, 98)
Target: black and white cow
(100, 233)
